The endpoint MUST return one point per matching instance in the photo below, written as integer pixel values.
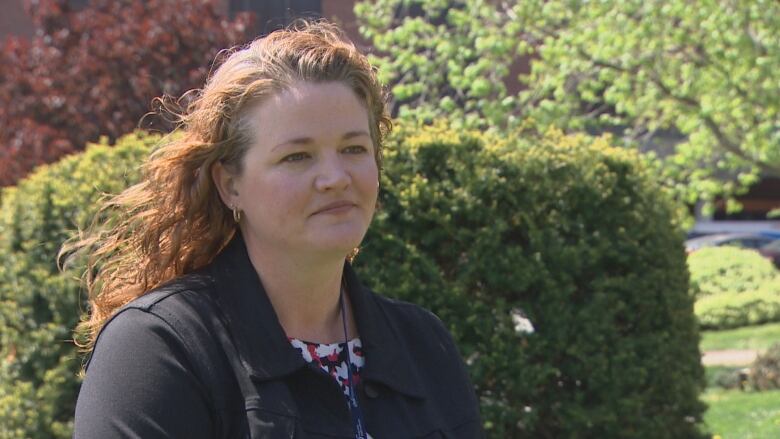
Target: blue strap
(354, 408)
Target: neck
(305, 294)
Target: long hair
(173, 221)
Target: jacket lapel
(261, 341)
(387, 356)
(259, 337)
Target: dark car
(744, 240)
(772, 251)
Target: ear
(225, 181)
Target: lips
(335, 207)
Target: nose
(332, 174)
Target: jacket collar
(261, 341)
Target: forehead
(321, 111)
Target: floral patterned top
(331, 358)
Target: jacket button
(371, 391)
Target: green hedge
(569, 230)
(734, 287)
(576, 235)
(716, 270)
(39, 306)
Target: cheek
(368, 179)
(270, 195)
(287, 194)
(370, 189)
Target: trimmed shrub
(575, 234)
(734, 287)
(729, 377)
(39, 306)
(716, 270)
(565, 230)
(735, 310)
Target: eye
(295, 157)
(355, 149)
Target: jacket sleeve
(139, 384)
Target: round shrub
(727, 269)
(733, 287)
(574, 233)
(39, 306)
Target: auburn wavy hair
(173, 221)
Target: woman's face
(309, 182)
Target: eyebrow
(308, 140)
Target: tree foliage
(92, 72)
(444, 58)
(643, 69)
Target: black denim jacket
(160, 368)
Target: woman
(223, 304)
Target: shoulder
(162, 343)
(435, 358)
(194, 289)
(176, 316)
(142, 354)
(421, 328)
(406, 312)
(180, 305)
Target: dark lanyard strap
(354, 408)
(246, 386)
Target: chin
(336, 248)
(336, 243)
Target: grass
(759, 338)
(734, 414)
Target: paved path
(731, 357)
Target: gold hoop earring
(236, 214)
